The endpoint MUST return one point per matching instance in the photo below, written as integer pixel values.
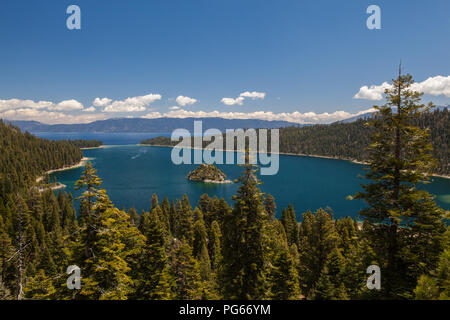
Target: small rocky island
(208, 173)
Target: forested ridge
(24, 157)
(211, 249)
(349, 140)
(85, 143)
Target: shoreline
(288, 154)
(212, 181)
(78, 165)
(52, 186)
(88, 148)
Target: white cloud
(438, 85)
(103, 102)
(232, 101)
(66, 105)
(296, 117)
(240, 100)
(372, 93)
(174, 108)
(49, 116)
(153, 115)
(134, 104)
(90, 109)
(254, 95)
(183, 101)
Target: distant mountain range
(165, 124)
(150, 125)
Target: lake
(132, 173)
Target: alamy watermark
(374, 280)
(73, 22)
(236, 140)
(374, 20)
(74, 280)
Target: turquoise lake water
(132, 173)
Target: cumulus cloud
(240, 100)
(254, 95)
(49, 116)
(435, 86)
(372, 92)
(133, 104)
(184, 101)
(66, 105)
(438, 85)
(296, 117)
(103, 102)
(90, 109)
(153, 115)
(174, 108)
(232, 101)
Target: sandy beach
(79, 164)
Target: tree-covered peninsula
(348, 141)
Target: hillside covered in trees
(24, 157)
(348, 140)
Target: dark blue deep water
(132, 173)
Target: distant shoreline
(87, 148)
(289, 154)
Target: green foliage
(245, 242)
(317, 240)
(185, 270)
(404, 224)
(206, 172)
(289, 221)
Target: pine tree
(271, 207)
(165, 207)
(405, 225)
(214, 246)
(90, 181)
(40, 287)
(184, 220)
(152, 276)
(245, 242)
(6, 251)
(107, 240)
(134, 217)
(436, 285)
(330, 285)
(318, 238)
(284, 276)
(23, 241)
(200, 238)
(184, 268)
(289, 220)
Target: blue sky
(305, 57)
